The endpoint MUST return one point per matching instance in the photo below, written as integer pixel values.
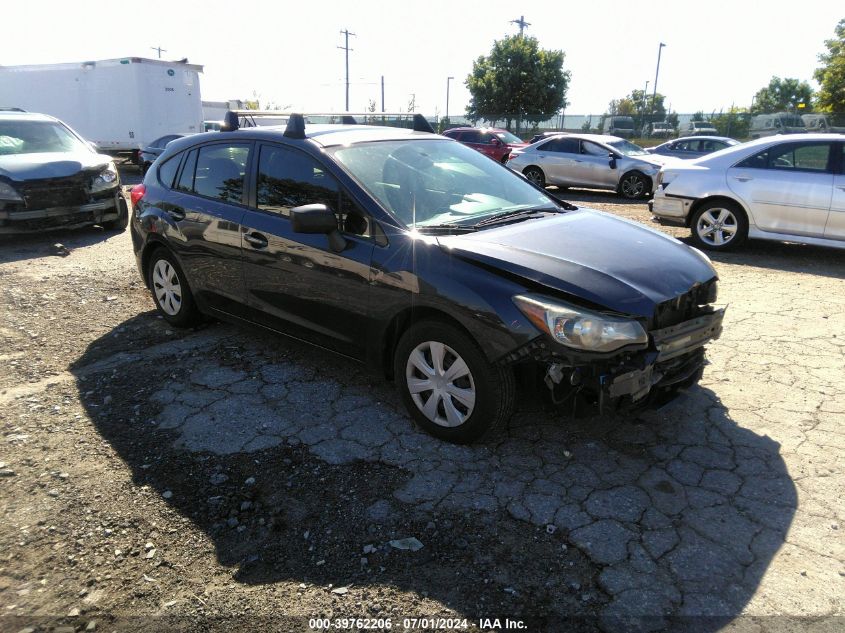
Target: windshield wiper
(517, 214)
(446, 228)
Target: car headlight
(106, 179)
(580, 328)
(8, 193)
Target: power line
(346, 48)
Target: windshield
(627, 148)
(701, 124)
(435, 182)
(507, 137)
(34, 137)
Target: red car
(490, 141)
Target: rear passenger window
(471, 136)
(757, 161)
(288, 178)
(794, 156)
(220, 171)
(564, 145)
(186, 179)
(167, 170)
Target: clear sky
(717, 53)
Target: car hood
(20, 167)
(660, 160)
(590, 255)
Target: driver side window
(289, 178)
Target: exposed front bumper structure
(34, 220)
(674, 359)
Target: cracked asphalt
(723, 509)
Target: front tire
(170, 290)
(535, 175)
(634, 186)
(719, 226)
(122, 220)
(447, 384)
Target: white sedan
(785, 188)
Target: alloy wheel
(440, 383)
(633, 186)
(717, 226)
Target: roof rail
(11, 109)
(295, 121)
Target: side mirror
(612, 160)
(317, 218)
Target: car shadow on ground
(54, 242)
(586, 196)
(300, 466)
(797, 258)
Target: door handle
(743, 178)
(256, 239)
(176, 214)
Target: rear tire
(447, 384)
(536, 176)
(171, 293)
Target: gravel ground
(216, 478)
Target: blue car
(693, 146)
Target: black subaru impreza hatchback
(419, 256)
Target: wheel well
(149, 249)
(533, 167)
(648, 180)
(400, 323)
(723, 199)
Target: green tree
(734, 123)
(831, 76)
(645, 108)
(518, 81)
(783, 95)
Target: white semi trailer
(120, 105)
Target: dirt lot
(217, 478)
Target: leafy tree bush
(518, 81)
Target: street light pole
(448, 79)
(656, 73)
(645, 92)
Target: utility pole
(656, 73)
(382, 93)
(645, 92)
(448, 79)
(346, 48)
(159, 49)
(521, 23)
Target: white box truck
(120, 105)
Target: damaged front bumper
(674, 360)
(34, 220)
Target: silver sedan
(590, 160)
(785, 188)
